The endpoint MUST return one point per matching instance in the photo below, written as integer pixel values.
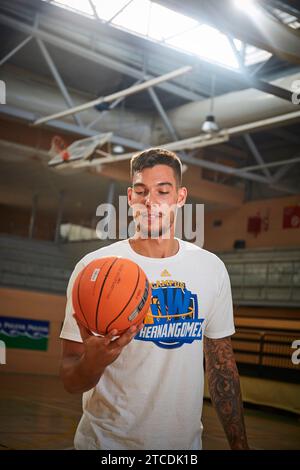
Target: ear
(129, 196)
(182, 195)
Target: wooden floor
(36, 413)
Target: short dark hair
(156, 156)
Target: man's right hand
(83, 363)
(101, 351)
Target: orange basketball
(111, 293)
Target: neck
(154, 248)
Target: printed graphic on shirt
(173, 318)
(165, 273)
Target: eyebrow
(163, 183)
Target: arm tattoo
(224, 388)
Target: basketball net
(59, 147)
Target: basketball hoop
(59, 147)
(78, 154)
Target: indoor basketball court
(84, 86)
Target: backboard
(80, 150)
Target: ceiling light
(210, 126)
(118, 149)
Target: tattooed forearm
(224, 389)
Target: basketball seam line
(102, 267)
(105, 278)
(137, 283)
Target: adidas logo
(165, 273)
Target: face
(155, 198)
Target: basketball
(111, 293)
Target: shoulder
(205, 256)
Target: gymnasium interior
(218, 82)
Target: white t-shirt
(151, 397)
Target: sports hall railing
(267, 354)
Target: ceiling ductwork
(33, 94)
(230, 109)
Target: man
(144, 388)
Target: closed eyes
(160, 192)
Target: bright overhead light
(118, 149)
(247, 6)
(170, 28)
(207, 42)
(210, 126)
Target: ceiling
(125, 56)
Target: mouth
(150, 216)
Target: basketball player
(144, 390)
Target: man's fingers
(125, 338)
(108, 338)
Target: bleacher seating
(265, 287)
(39, 265)
(264, 277)
(33, 264)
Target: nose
(149, 200)
(150, 204)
